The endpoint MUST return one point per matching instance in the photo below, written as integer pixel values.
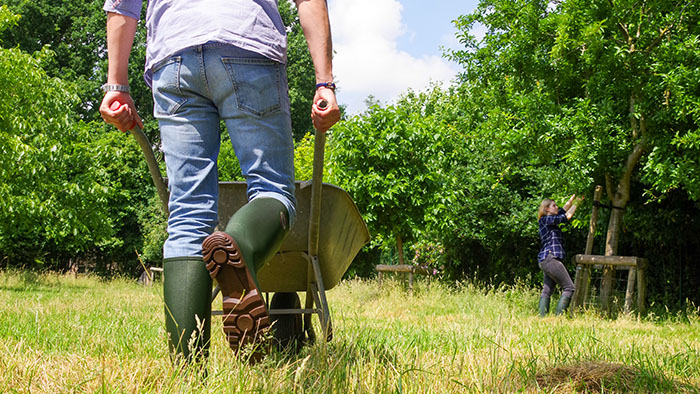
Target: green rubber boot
(544, 306)
(253, 235)
(187, 295)
(259, 227)
(563, 304)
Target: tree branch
(624, 31)
(623, 188)
(634, 123)
(609, 186)
(658, 39)
(666, 30)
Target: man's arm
(313, 16)
(120, 38)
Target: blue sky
(429, 24)
(384, 47)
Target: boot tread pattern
(245, 316)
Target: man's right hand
(117, 108)
(324, 117)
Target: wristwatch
(115, 88)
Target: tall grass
(60, 334)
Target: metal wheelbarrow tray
(313, 257)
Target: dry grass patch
(592, 376)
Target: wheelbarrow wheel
(287, 329)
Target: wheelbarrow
(313, 257)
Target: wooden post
(641, 287)
(629, 293)
(597, 194)
(586, 290)
(399, 245)
(578, 279)
(583, 274)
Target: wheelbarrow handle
(153, 168)
(316, 186)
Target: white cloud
(367, 60)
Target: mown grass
(60, 334)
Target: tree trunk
(611, 242)
(619, 197)
(399, 246)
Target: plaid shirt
(551, 236)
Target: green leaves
(7, 19)
(58, 195)
(388, 160)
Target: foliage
(304, 158)
(7, 19)
(388, 160)
(57, 187)
(74, 30)
(561, 96)
(227, 165)
(590, 81)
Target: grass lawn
(60, 334)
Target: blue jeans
(193, 91)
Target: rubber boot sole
(245, 316)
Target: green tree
(387, 159)
(600, 89)
(54, 178)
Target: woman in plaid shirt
(552, 253)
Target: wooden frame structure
(636, 275)
(405, 268)
(585, 262)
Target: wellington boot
(544, 306)
(253, 235)
(563, 304)
(187, 295)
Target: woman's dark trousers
(555, 273)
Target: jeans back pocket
(167, 97)
(257, 84)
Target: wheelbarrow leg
(309, 304)
(319, 292)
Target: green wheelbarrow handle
(153, 168)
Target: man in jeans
(208, 61)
